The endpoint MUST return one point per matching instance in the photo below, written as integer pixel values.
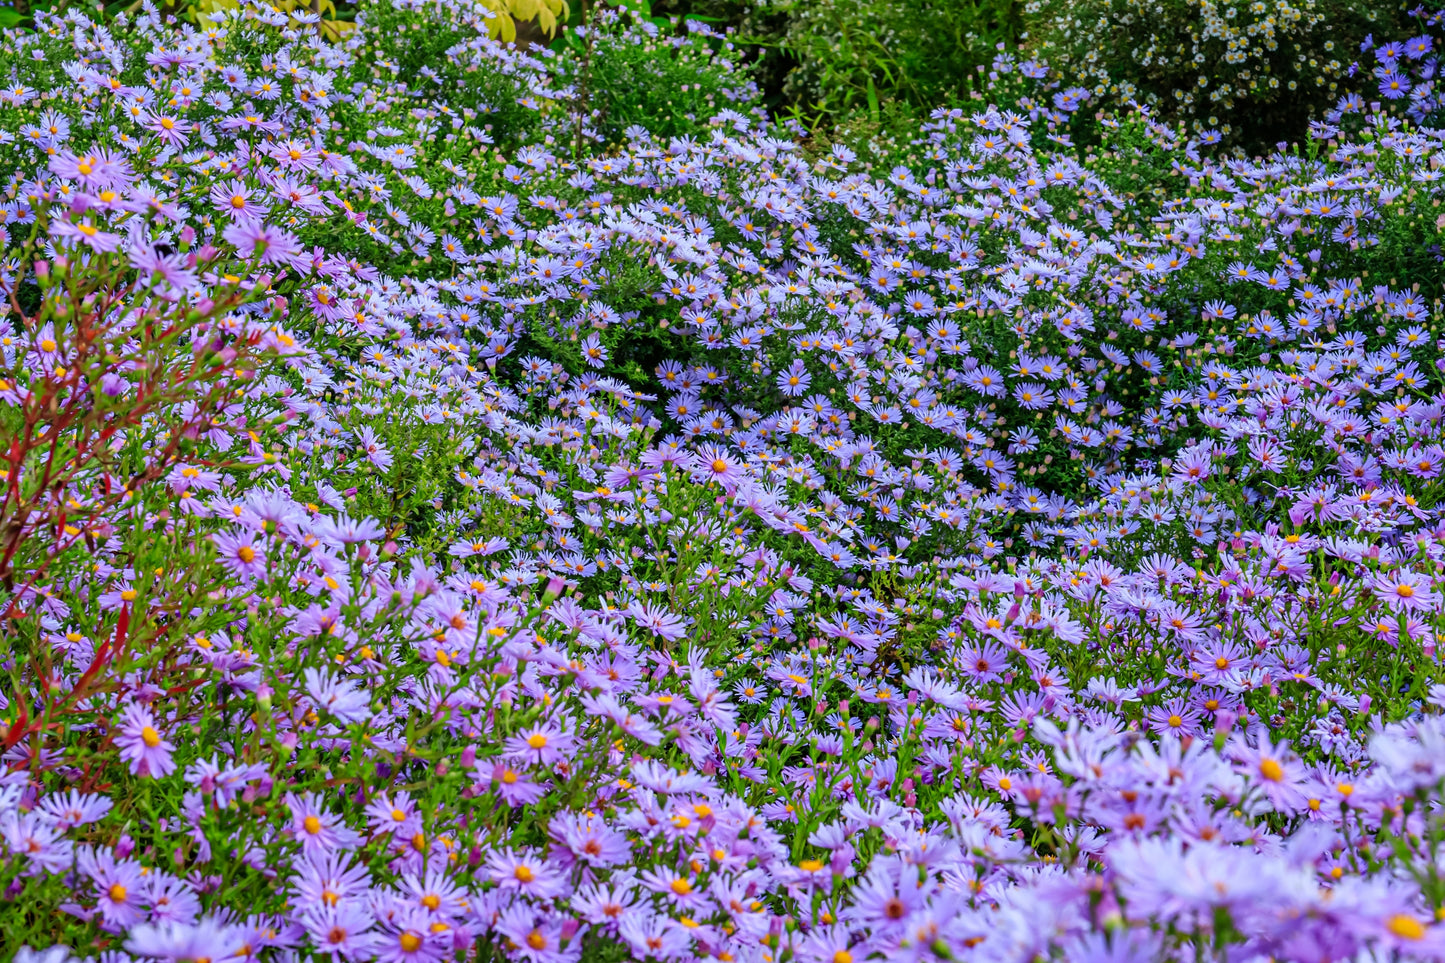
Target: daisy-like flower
(119, 884)
(90, 171)
(510, 782)
(713, 463)
(240, 555)
(657, 620)
(344, 931)
(170, 273)
(317, 830)
(527, 873)
(410, 937)
(183, 939)
(343, 699)
(86, 234)
(235, 201)
(1275, 770)
(540, 939)
(37, 838)
(141, 744)
(679, 889)
(544, 744)
(72, 808)
(170, 130)
(590, 840)
(273, 245)
(375, 452)
(1405, 591)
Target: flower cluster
(1250, 69)
(425, 535)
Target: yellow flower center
(1405, 927)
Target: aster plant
(429, 533)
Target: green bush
(670, 77)
(851, 57)
(1255, 70)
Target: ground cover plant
(445, 518)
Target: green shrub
(671, 78)
(1255, 70)
(852, 57)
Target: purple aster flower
(171, 131)
(543, 744)
(86, 233)
(141, 745)
(317, 830)
(170, 273)
(235, 201)
(341, 698)
(343, 931)
(528, 874)
(1405, 591)
(240, 555)
(119, 883)
(411, 937)
(185, 940)
(713, 463)
(273, 245)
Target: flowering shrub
(1254, 70)
(851, 58)
(424, 538)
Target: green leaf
(9, 18)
